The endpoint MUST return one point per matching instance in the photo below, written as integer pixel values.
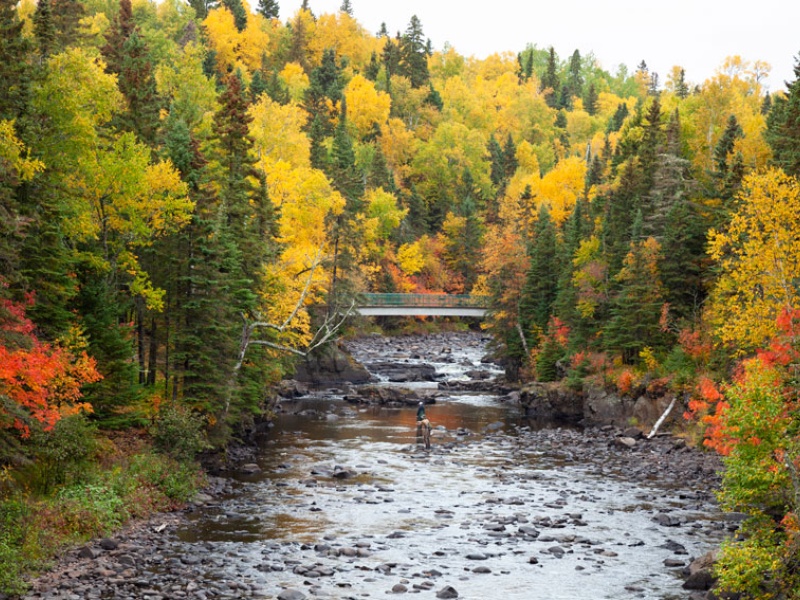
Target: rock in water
(447, 591)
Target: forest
(192, 196)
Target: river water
(347, 504)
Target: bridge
(404, 305)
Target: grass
(130, 482)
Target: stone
(447, 591)
(399, 588)
(625, 442)
(109, 544)
(291, 595)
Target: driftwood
(661, 418)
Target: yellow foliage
(277, 133)
(411, 258)
(346, 37)
(182, 80)
(222, 36)
(254, 42)
(14, 161)
(382, 207)
(366, 106)
(758, 255)
(296, 80)
(398, 145)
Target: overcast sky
(695, 34)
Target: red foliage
(43, 380)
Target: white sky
(695, 34)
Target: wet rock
(447, 592)
(666, 520)
(625, 442)
(291, 595)
(476, 556)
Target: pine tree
(373, 68)
(783, 127)
(550, 80)
(122, 26)
(238, 11)
(346, 7)
(414, 54)
(14, 63)
(636, 311)
(268, 9)
(575, 75)
(681, 88)
(137, 82)
(67, 15)
(590, 100)
(44, 27)
(541, 280)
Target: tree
(414, 54)
(783, 127)
(635, 314)
(269, 9)
(758, 257)
(14, 63)
(541, 280)
(238, 11)
(39, 382)
(590, 99)
(550, 80)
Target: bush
(179, 432)
(91, 510)
(63, 455)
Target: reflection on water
(420, 511)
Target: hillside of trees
(182, 186)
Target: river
(347, 504)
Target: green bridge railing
(424, 301)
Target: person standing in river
(423, 426)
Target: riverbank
(153, 559)
(508, 501)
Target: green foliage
(64, 454)
(179, 432)
(91, 510)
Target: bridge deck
(455, 305)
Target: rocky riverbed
(341, 502)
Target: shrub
(63, 454)
(179, 432)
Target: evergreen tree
(277, 90)
(783, 127)
(575, 75)
(258, 86)
(238, 11)
(44, 27)
(373, 68)
(414, 54)
(346, 7)
(766, 105)
(541, 280)
(550, 80)
(636, 311)
(590, 100)
(67, 15)
(122, 26)
(615, 124)
(681, 88)
(14, 63)
(497, 170)
(391, 57)
(269, 9)
(137, 82)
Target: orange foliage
(41, 379)
(625, 381)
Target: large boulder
(331, 367)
